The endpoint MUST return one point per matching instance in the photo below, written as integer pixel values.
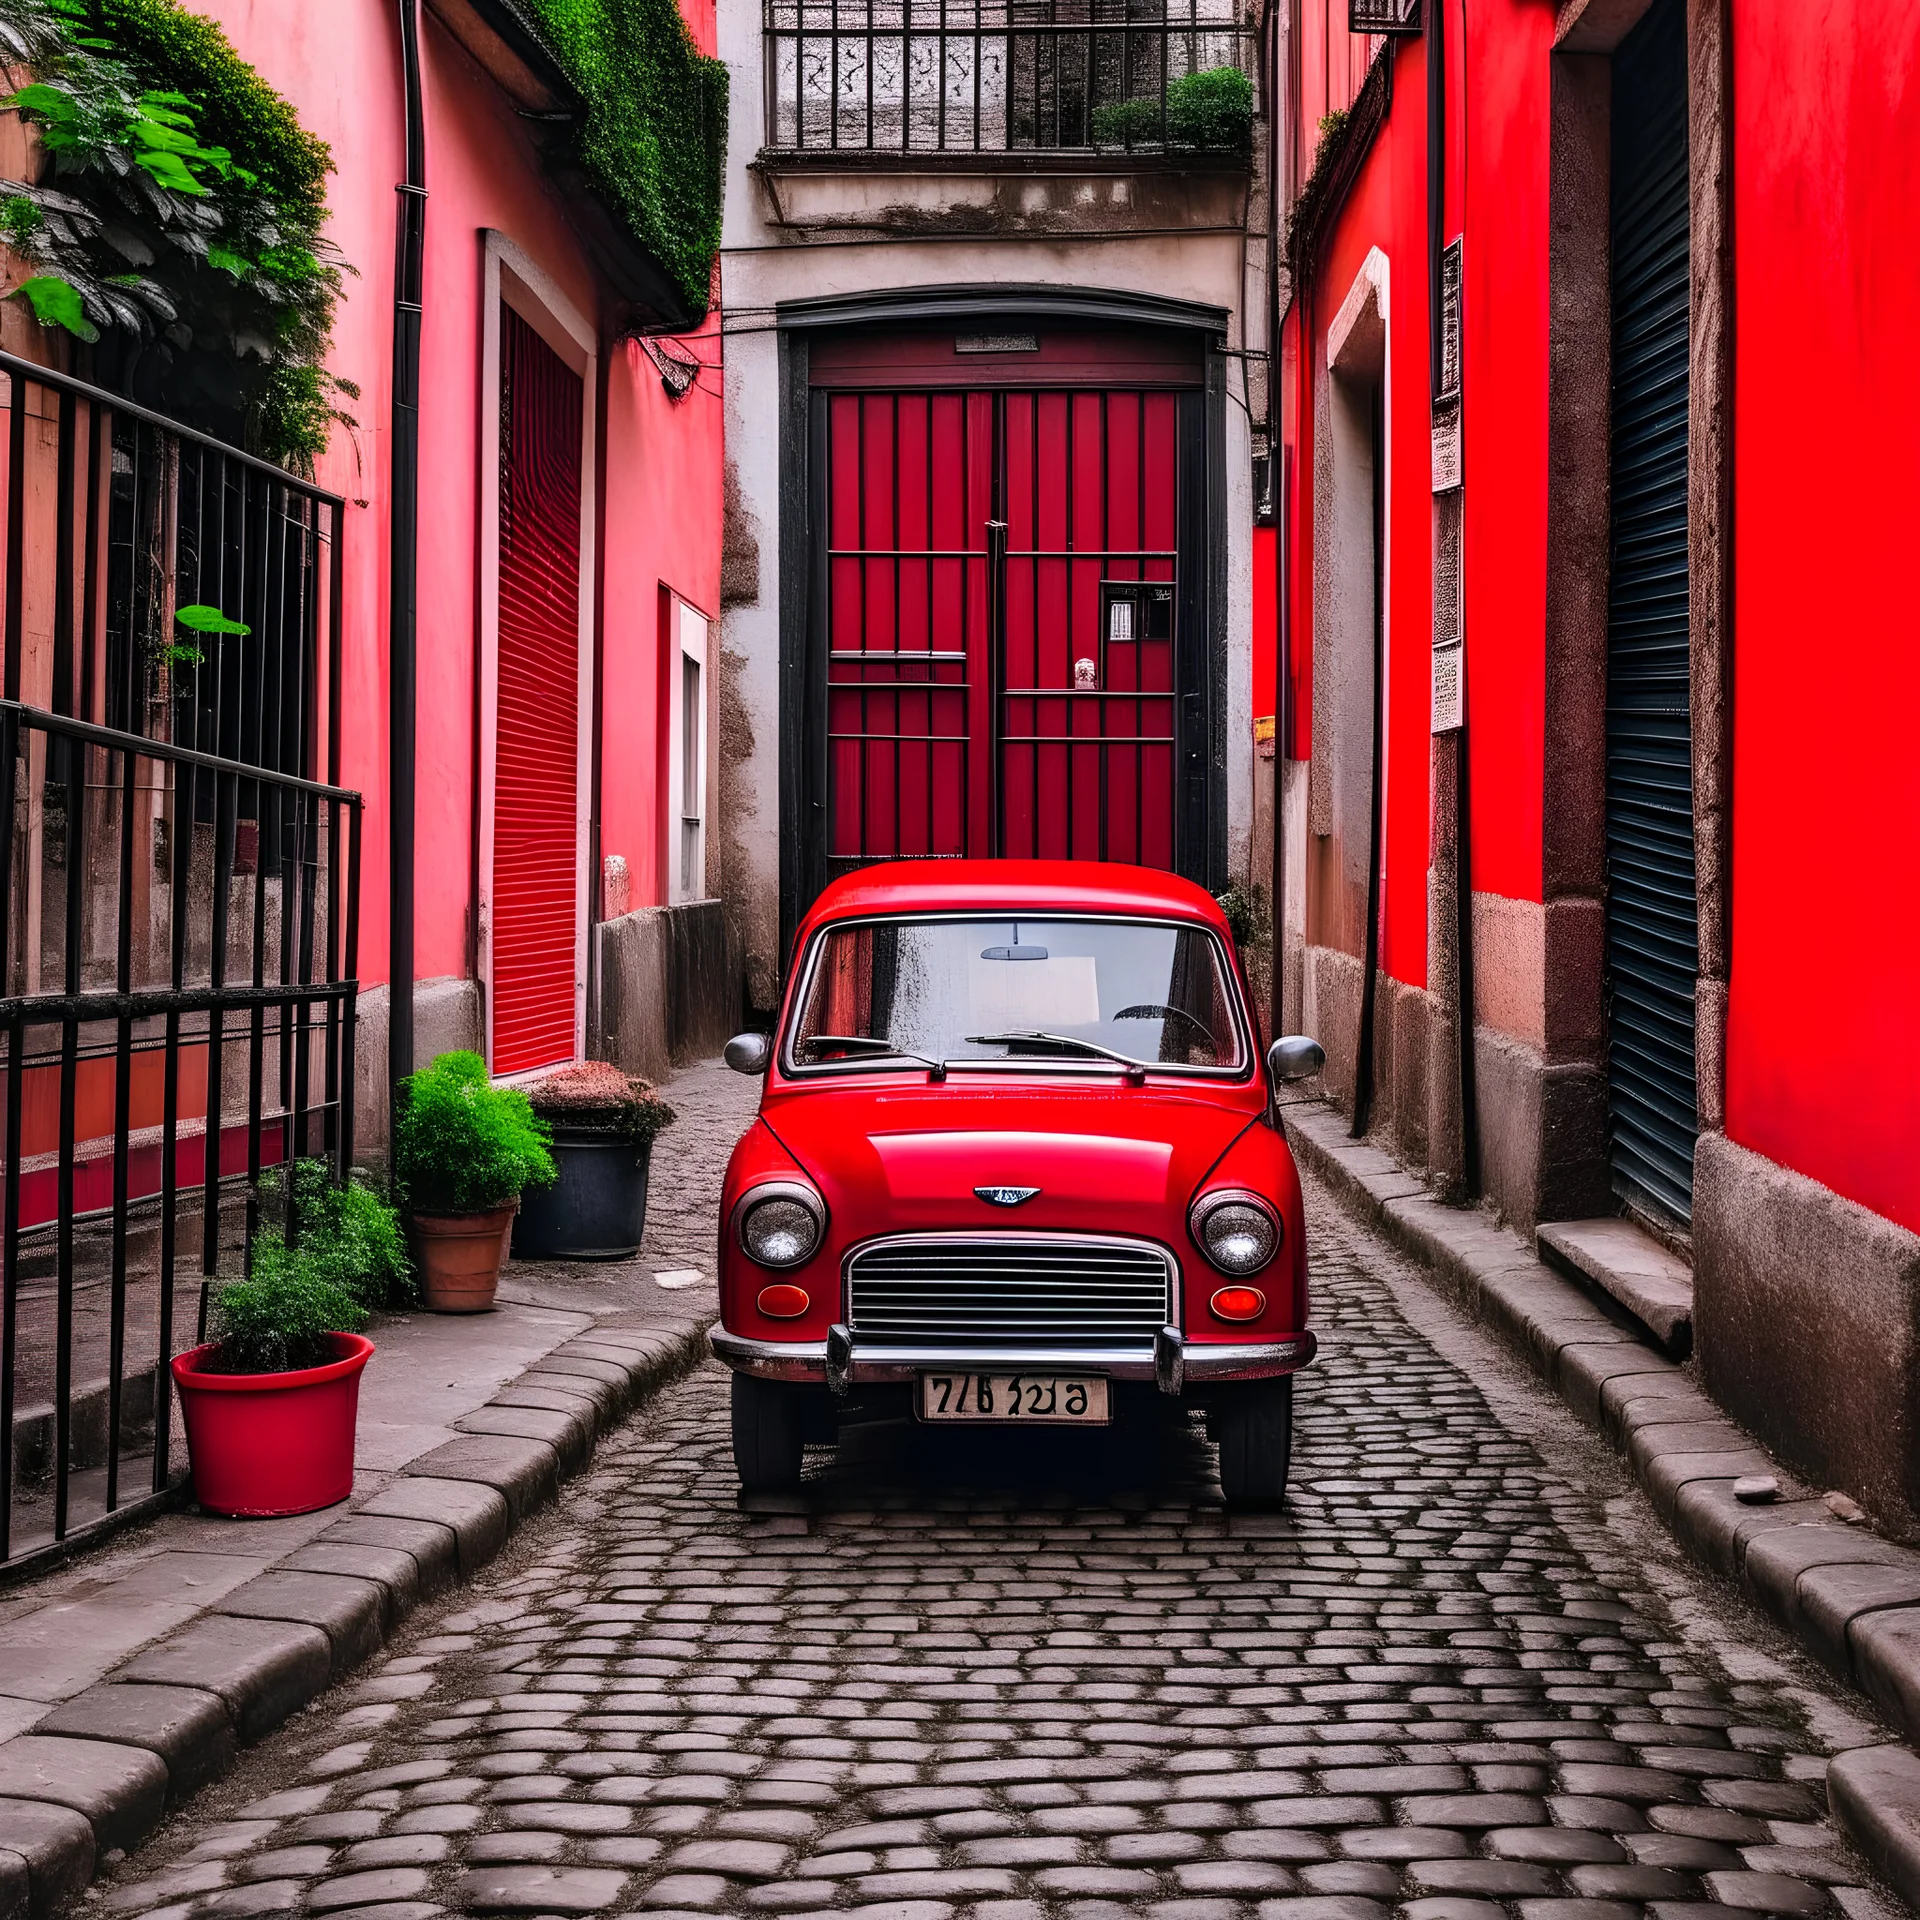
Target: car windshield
(947, 992)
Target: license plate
(1043, 1399)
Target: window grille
(1000, 76)
(1383, 16)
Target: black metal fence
(1001, 76)
(178, 933)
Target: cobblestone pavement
(1000, 1679)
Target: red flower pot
(270, 1443)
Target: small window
(686, 785)
(690, 713)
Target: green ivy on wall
(653, 140)
(177, 226)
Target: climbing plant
(652, 141)
(177, 221)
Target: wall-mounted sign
(1449, 688)
(1448, 469)
(1383, 16)
(996, 343)
(1449, 321)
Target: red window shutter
(536, 847)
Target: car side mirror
(1292, 1057)
(749, 1052)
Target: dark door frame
(1200, 830)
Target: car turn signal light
(1230, 1303)
(783, 1302)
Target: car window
(1019, 991)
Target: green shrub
(463, 1145)
(1211, 112)
(1207, 112)
(278, 1318)
(593, 1096)
(654, 138)
(349, 1231)
(180, 223)
(1127, 123)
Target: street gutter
(1850, 1598)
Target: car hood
(1117, 1160)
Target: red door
(536, 805)
(1000, 591)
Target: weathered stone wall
(669, 988)
(1806, 1316)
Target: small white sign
(1119, 622)
(1449, 688)
(996, 343)
(1448, 467)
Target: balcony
(950, 116)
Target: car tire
(769, 1431)
(1253, 1427)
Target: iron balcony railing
(1006, 76)
(178, 932)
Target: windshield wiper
(871, 1043)
(1135, 1069)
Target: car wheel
(769, 1430)
(1253, 1426)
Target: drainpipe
(1462, 782)
(1363, 1077)
(410, 228)
(1279, 202)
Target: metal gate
(1000, 594)
(1652, 929)
(179, 924)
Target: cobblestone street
(1465, 1670)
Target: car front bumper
(1173, 1364)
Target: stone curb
(1849, 1597)
(101, 1771)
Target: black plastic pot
(595, 1210)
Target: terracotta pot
(272, 1443)
(460, 1257)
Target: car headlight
(781, 1225)
(1237, 1232)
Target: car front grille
(997, 1289)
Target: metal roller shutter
(1652, 927)
(536, 808)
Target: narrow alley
(1465, 1665)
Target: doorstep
(1627, 1263)
(1849, 1597)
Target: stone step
(1626, 1262)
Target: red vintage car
(1017, 1149)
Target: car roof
(1026, 886)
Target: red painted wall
(1265, 607)
(1497, 172)
(1500, 136)
(339, 66)
(1386, 209)
(1823, 1042)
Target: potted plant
(603, 1124)
(464, 1151)
(270, 1404)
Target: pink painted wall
(339, 65)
